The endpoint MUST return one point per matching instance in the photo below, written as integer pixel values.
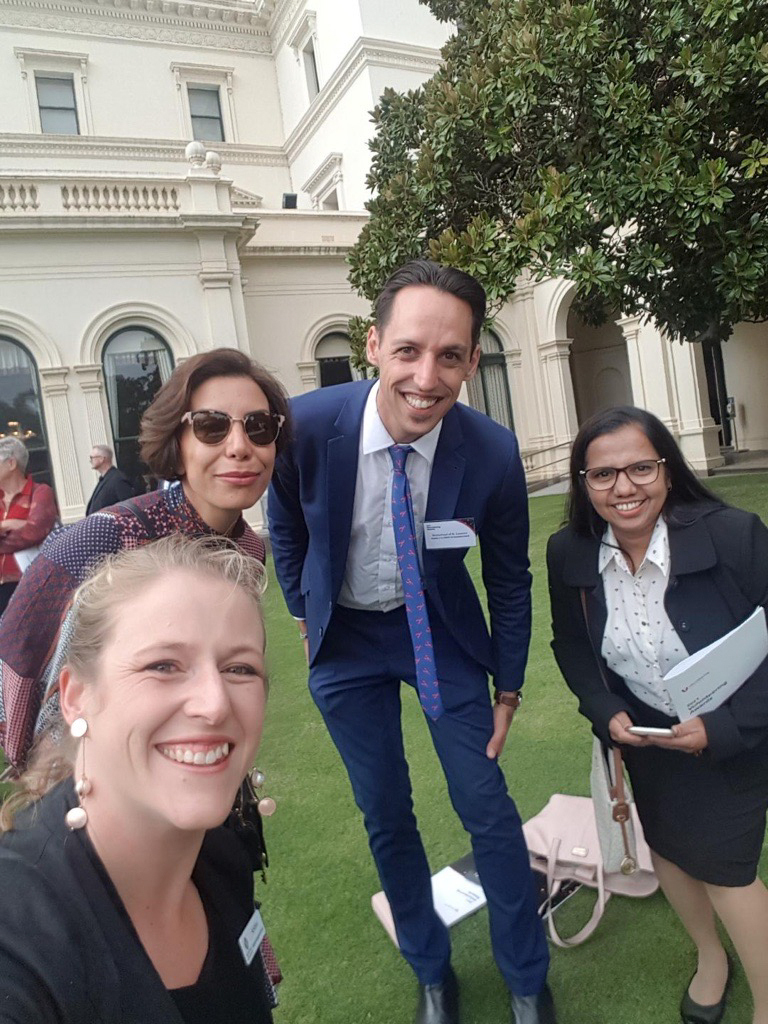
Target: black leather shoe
(538, 1009)
(439, 1004)
(695, 1013)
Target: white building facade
(122, 252)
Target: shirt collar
(376, 437)
(657, 553)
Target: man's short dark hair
(445, 279)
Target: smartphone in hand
(648, 730)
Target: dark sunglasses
(212, 427)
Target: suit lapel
(445, 481)
(342, 452)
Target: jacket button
(684, 627)
(320, 631)
(672, 583)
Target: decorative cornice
(283, 16)
(297, 250)
(330, 166)
(225, 24)
(103, 147)
(244, 200)
(366, 52)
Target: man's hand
(304, 637)
(502, 719)
(690, 737)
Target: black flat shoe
(694, 1013)
(439, 1004)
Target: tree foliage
(620, 143)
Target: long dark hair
(685, 485)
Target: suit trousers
(355, 682)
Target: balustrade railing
(17, 197)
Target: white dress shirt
(372, 575)
(640, 643)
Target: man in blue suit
(371, 514)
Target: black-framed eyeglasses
(212, 427)
(602, 478)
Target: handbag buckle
(628, 865)
(621, 812)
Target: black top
(111, 488)
(227, 991)
(718, 575)
(69, 953)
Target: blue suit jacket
(477, 474)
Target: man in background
(113, 486)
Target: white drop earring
(77, 817)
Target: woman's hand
(618, 728)
(690, 737)
(13, 524)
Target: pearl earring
(77, 817)
(266, 804)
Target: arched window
(489, 388)
(136, 362)
(21, 414)
(332, 355)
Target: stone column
(92, 386)
(308, 375)
(554, 357)
(62, 442)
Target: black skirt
(691, 813)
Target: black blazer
(68, 951)
(114, 486)
(719, 574)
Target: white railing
(17, 197)
(543, 465)
(120, 197)
(69, 194)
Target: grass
(339, 965)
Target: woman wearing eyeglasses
(651, 568)
(214, 430)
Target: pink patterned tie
(413, 588)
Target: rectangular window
(205, 112)
(310, 70)
(56, 100)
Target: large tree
(620, 143)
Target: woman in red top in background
(27, 513)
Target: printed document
(705, 680)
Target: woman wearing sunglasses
(213, 430)
(653, 567)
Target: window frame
(49, 76)
(214, 90)
(325, 180)
(55, 64)
(303, 42)
(206, 76)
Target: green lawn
(340, 968)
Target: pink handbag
(563, 844)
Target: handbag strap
(620, 804)
(552, 889)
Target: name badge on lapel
(450, 533)
(251, 936)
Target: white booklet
(705, 680)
